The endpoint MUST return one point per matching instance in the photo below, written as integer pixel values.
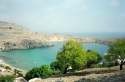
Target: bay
(27, 59)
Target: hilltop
(13, 36)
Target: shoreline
(13, 68)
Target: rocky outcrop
(20, 79)
(6, 69)
(36, 80)
(13, 37)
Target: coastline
(16, 38)
(9, 69)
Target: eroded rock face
(20, 79)
(13, 37)
(36, 80)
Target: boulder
(20, 79)
(36, 80)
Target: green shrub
(42, 72)
(116, 52)
(92, 58)
(54, 65)
(75, 56)
(72, 54)
(7, 78)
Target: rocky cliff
(13, 37)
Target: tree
(55, 66)
(74, 55)
(116, 53)
(92, 57)
(71, 55)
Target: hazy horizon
(66, 16)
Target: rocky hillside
(112, 74)
(13, 37)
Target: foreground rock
(108, 77)
(20, 79)
(36, 80)
(97, 75)
(6, 69)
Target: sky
(65, 16)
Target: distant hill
(6, 25)
(14, 36)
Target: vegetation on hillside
(43, 72)
(74, 57)
(7, 78)
(116, 53)
(71, 57)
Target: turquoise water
(27, 59)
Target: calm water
(27, 59)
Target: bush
(71, 54)
(42, 72)
(7, 78)
(55, 67)
(75, 56)
(92, 58)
